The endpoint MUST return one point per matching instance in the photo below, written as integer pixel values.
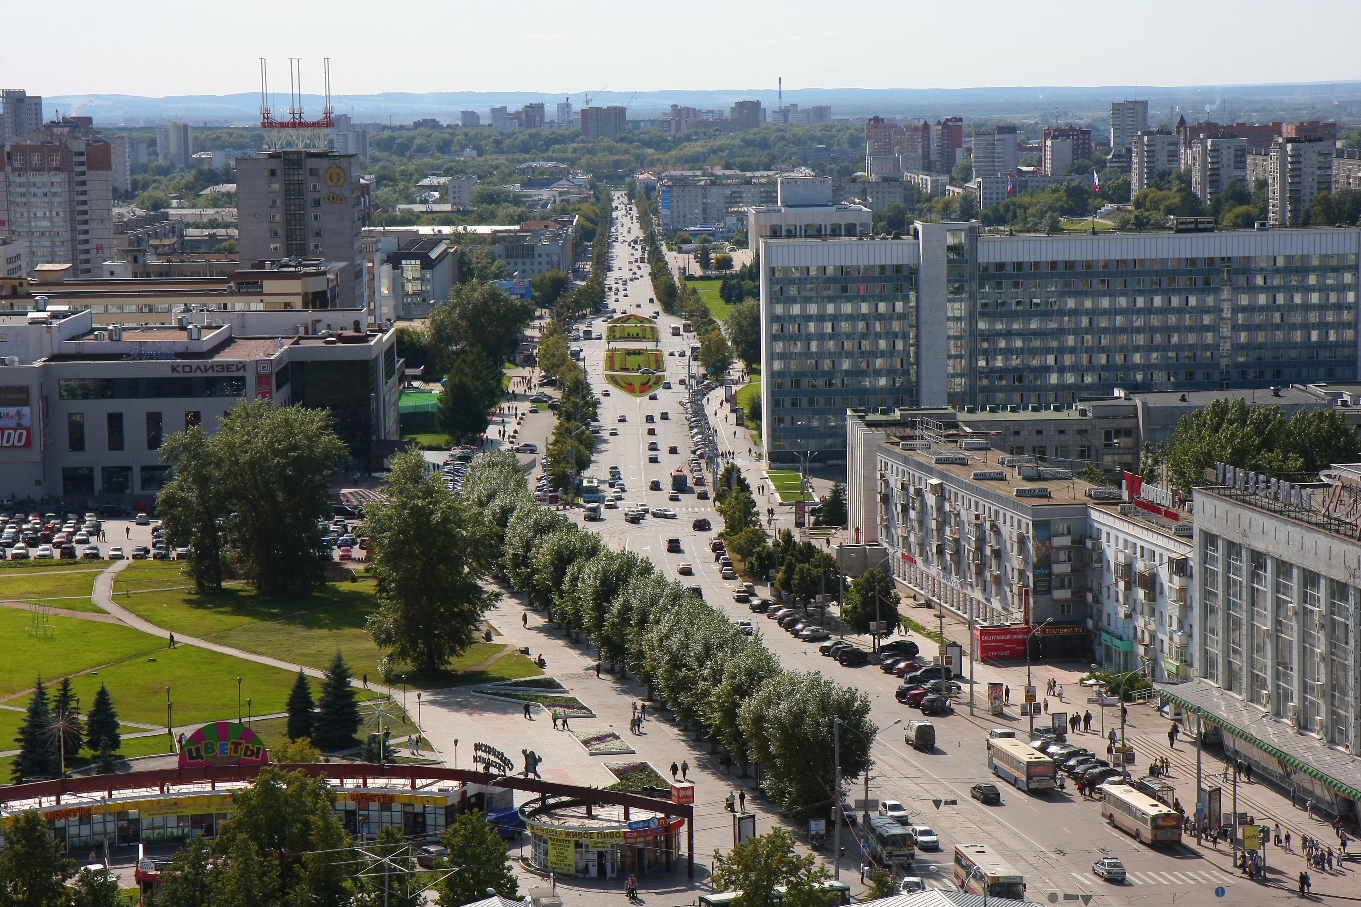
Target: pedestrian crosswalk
(1179, 877)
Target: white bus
(890, 844)
(977, 866)
(1020, 764)
(1148, 820)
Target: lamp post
(247, 711)
(418, 710)
(169, 718)
(978, 870)
(836, 793)
(238, 699)
(455, 753)
(1032, 632)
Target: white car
(895, 810)
(814, 634)
(44, 551)
(116, 553)
(1110, 869)
(746, 627)
(911, 885)
(665, 513)
(925, 837)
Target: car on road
(652, 396)
(702, 494)
(894, 810)
(986, 792)
(673, 496)
(701, 525)
(633, 516)
(910, 696)
(831, 647)
(654, 485)
(911, 885)
(614, 432)
(685, 570)
(1110, 869)
(741, 596)
(728, 573)
(143, 520)
(622, 418)
(666, 513)
(527, 448)
(115, 553)
(925, 837)
(673, 449)
(758, 605)
(746, 627)
(936, 704)
(654, 458)
(673, 546)
(813, 634)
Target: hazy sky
(156, 48)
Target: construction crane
(587, 97)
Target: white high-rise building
(20, 114)
(1153, 152)
(1128, 119)
(1300, 169)
(174, 144)
(994, 151)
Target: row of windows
(1144, 264)
(842, 308)
(80, 480)
(114, 434)
(149, 388)
(784, 271)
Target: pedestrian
(674, 770)
(1172, 736)
(1304, 882)
(1309, 807)
(1342, 840)
(555, 719)
(524, 619)
(1247, 771)
(1111, 737)
(685, 768)
(1330, 859)
(171, 644)
(742, 800)
(597, 668)
(565, 726)
(1086, 719)
(1046, 705)
(366, 681)
(1287, 841)
(527, 715)
(1006, 694)
(642, 712)
(635, 709)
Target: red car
(904, 667)
(346, 554)
(914, 698)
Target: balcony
(1061, 568)
(1062, 541)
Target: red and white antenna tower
(294, 130)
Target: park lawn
(74, 645)
(202, 685)
(131, 748)
(787, 483)
(746, 398)
(708, 292)
(428, 440)
(1084, 225)
(311, 637)
(635, 384)
(630, 359)
(616, 333)
(141, 576)
(55, 589)
(10, 722)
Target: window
(153, 431)
(154, 477)
(77, 480)
(75, 434)
(115, 427)
(191, 418)
(116, 479)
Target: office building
(994, 151)
(882, 146)
(1062, 147)
(747, 115)
(603, 122)
(303, 204)
(1217, 161)
(106, 399)
(56, 198)
(953, 317)
(1128, 119)
(713, 202)
(20, 114)
(946, 144)
(1301, 168)
(174, 144)
(537, 247)
(804, 208)
(820, 113)
(1154, 152)
(500, 119)
(347, 138)
(423, 272)
(12, 264)
(563, 115)
(532, 116)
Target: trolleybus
(1020, 764)
(976, 866)
(1148, 820)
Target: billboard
(16, 417)
(1044, 550)
(519, 289)
(994, 643)
(223, 743)
(665, 200)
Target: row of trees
(726, 687)
(53, 734)
(331, 724)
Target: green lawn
(746, 398)
(631, 359)
(1084, 225)
(132, 747)
(708, 291)
(74, 645)
(429, 440)
(786, 482)
(59, 589)
(616, 333)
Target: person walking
(527, 715)
(597, 668)
(555, 719)
(1287, 841)
(171, 645)
(1309, 807)
(674, 770)
(524, 619)
(1172, 736)
(1247, 771)
(1087, 721)
(1006, 694)
(565, 725)
(685, 768)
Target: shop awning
(1302, 752)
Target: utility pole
(1200, 734)
(836, 797)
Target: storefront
(603, 844)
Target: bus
(890, 845)
(1020, 764)
(1148, 820)
(975, 863)
(590, 491)
(592, 513)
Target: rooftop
(1017, 478)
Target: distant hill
(1224, 103)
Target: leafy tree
(722, 262)
(744, 331)
(241, 877)
(300, 708)
(95, 888)
(871, 593)
(33, 872)
(480, 263)
(759, 865)
(715, 353)
(101, 722)
(963, 172)
(833, 511)
(570, 450)
(478, 315)
(187, 882)
(265, 476)
(548, 286)
(682, 238)
(478, 853)
(471, 390)
(192, 503)
(36, 757)
(66, 727)
(337, 718)
(295, 752)
(703, 257)
(422, 543)
(739, 512)
(731, 477)
(881, 886)
(414, 346)
(554, 357)
(745, 543)
(1093, 476)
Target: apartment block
(500, 118)
(1153, 152)
(532, 116)
(711, 201)
(1128, 119)
(994, 151)
(1215, 162)
(747, 115)
(20, 114)
(469, 118)
(1300, 168)
(1346, 169)
(174, 144)
(57, 200)
(1062, 147)
(603, 122)
(538, 247)
(946, 144)
(307, 205)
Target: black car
(986, 792)
(673, 546)
(832, 646)
(930, 672)
(759, 605)
(903, 648)
(936, 704)
(852, 657)
(701, 525)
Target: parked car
(143, 520)
(925, 837)
(851, 657)
(936, 704)
(68, 552)
(116, 553)
(814, 634)
(986, 792)
(526, 447)
(894, 810)
(759, 605)
(91, 552)
(44, 552)
(911, 885)
(911, 696)
(1110, 869)
(905, 648)
(741, 596)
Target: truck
(679, 479)
(593, 512)
(920, 735)
(675, 330)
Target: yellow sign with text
(562, 855)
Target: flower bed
(633, 383)
(533, 683)
(635, 776)
(606, 743)
(567, 705)
(632, 359)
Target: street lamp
(169, 716)
(1032, 632)
(418, 710)
(456, 753)
(247, 711)
(979, 871)
(238, 699)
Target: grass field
(430, 440)
(132, 747)
(746, 398)
(74, 645)
(787, 484)
(708, 291)
(69, 588)
(637, 385)
(631, 359)
(616, 333)
(1084, 225)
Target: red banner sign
(1000, 643)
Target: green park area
(632, 359)
(58, 584)
(708, 292)
(787, 484)
(616, 333)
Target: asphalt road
(1052, 838)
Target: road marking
(1181, 878)
(1133, 878)
(1080, 879)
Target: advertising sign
(1044, 550)
(997, 643)
(518, 289)
(666, 199)
(682, 792)
(562, 855)
(1214, 805)
(16, 417)
(995, 701)
(1059, 722)
(223, 743)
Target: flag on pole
(1011, 185)
(1096, 182)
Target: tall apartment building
(1217, 161)
(1060, 148)
(532, 116)
(686, 202)
(20, 114)
(174, 144)
(1301, 168)
(1128, 119)
(994, 151)
(881, 148)
(957, 318)
(57, 200)
(747, 115)
(946, 144)
(469, 118)
(1153, 153)
(603, 122)
(303, 204)
(563, 114)
(820, 113)
(347, 138)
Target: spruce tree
(337, 718)
(300, 706)
(101, 722)
(64, 711)
(36, 758)
(33, 872)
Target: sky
(155, 48)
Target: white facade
(994, 152)
(1216, 162)
(1299, 171)
(1128, 118)
(1153, 153)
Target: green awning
(1115, 642)
(1303, 753)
